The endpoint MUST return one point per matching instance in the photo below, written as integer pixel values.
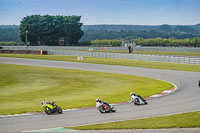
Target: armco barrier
(143, 57)
(87, 48)
(75, 51)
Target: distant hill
(93, 32)
(197, 26)
(9, 33)
(119, 27)
(134, 27)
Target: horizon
(113, 24)
(106, 12)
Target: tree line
(67, 30)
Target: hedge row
(195, 42)
(108, 43)
(9, 43)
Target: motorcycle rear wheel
(47, 111)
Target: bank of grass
(152, 52)
(133, 63)
(22, 88)
(168, 53)
(8, 43)
(185, 120)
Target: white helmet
(97, 100)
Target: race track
(185, 99)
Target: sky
(93, 12)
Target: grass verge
(22, 88)
(133, 63)
(185, 120)
(152, 52)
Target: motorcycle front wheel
(59, 110)
(113, 109)
(136, 102)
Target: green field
(185, 120)
(152, 52)
(22, 88)
(133, 63)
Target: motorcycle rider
(100, 102)
(134, 96)
(46, 102)
(51, 107)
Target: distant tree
(47, 30)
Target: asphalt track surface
(185, 99)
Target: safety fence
(87, 48)
(142, 57)
(75, 51)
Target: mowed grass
(152, 52)
(168, 53)
(133, 63)
(185, 120)
(22, 88)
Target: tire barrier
(24, 52)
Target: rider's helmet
(132, 93)
(43, 102)
(97, 100)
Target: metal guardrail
(142, 57)
(71, 51)
(76, 48)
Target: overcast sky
(134, 12)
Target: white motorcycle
(138, 100)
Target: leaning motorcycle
(105, 108)
(51, 107)
(138, 100)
